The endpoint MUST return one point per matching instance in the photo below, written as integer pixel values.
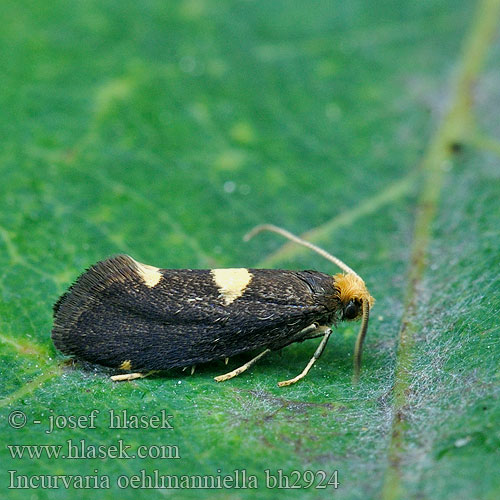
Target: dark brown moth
(139, 318)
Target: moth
(139, 319)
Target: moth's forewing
(120, 310)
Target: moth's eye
(351, 310)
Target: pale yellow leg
(241, 369)
(130, 376)
(314, 328)
(316, 355)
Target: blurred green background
(166, 130)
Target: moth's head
(352, 293)
(356, 302)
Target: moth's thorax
(352, 288)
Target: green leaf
(166, 130)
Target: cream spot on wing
(126, 365)
(231, 282)
(151, 275)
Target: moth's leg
(305, 332)
(242, 368)
(309, 332)
(193, 368)
(131, 376)
(317, 354)
(318, 331)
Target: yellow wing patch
(126, 365)
(150, 275)
(231, 282)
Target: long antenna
(358, 349)
(300, 241)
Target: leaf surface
(166, 130)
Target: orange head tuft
(352, 294)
